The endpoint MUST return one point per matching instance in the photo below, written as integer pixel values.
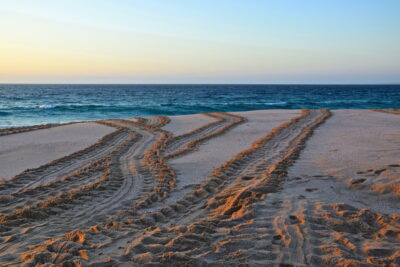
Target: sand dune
(260, 188)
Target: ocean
(23, 104)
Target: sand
(354, 145)
(32, 149)
(196, 167)
(186, 123)
(351, 141)
(328, 208)
(257, 188)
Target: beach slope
(257, 188)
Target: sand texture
(183, 124)
(259, 188)
(30, 149)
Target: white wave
(45, 106)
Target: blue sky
(308, 41)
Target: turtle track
(225, 198)
(239, 216)
(394, 111)
(64, 166)
(111, 187)
(183, 144)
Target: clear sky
(208, 41)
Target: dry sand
(196, 167)
(352, 141)
(291, 187)
(360, 149)
(339, 204)
(32, 149)
(186, 123)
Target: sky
(208, 41)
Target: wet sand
(258, 188)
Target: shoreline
(388, 110)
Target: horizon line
(34, 83)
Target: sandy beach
(34, 148)
(255, 188)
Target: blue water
(39, 104)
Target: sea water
(23, 104)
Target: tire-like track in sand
(222, 200)
(110, 210)
(187, 142)
(123, 172)
(394, 111)
(85, 187)
(64, 166)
